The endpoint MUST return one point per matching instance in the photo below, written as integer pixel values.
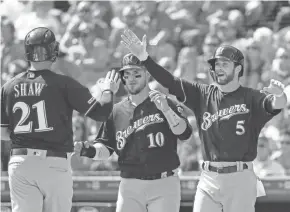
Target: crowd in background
(181, 36)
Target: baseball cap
(131, 61)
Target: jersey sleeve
(188, 93)
(106, 134)
(4, 115)
(81, 100)
(262, 106)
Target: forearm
(102, 108)
(178, 125)
(279, 102)
(161, 75)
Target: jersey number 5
(240, 129)
(41, 116)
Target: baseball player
(36, 114)
(230, 118)
(143, 130)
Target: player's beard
(136, 88)
(225, 79)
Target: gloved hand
(275, 87)
(84, 148)
(110, 83)
(160, 100)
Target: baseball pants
(40, 183)
(226, 192)
(162, 195)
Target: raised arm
(186, 92)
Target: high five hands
(134, 44)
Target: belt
(223, 170)
(147, 177)
(26, 151)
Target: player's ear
(238, 69)
(148, 76)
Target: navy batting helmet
(40, 45)
(230, 53)
(130, 61)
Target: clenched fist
(160, 100)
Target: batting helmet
(230, 53)
(40, 45)
(130, 61)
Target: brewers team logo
(138, 125)
(224, 114)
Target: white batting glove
(160, 100)
(276, 88)
(110, 83)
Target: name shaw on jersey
(28, 89)
(139, 124)
(224, 114)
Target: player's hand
(160, 100)
(275, 87)
(79, 145)
(110, 83)
(133, 43)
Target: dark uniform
(142, 138)
(229, 126)
(37, 107)
(147, 150)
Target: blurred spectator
(282, 156)
(91, 54)
(263, 165)
(255, 65)
(169, 64)
(41, 15)
(15, 67)
(186, 64)
(210, 44)
(282, 19)
(129, 18)
(159, 25)
(264, 38)
(227, 32)
(11, 48)
(253, 14)
(280, 69)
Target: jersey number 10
(157, 140)
(41, 116)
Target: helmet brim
(131, 67)
(212, 60)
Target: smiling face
(135, 80)
(225, 71)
